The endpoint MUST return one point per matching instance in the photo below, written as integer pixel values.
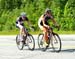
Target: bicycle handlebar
(58, 27)
(32, 28)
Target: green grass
(9, 32)
(65, 32)
(34, 32)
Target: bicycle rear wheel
(56, 43)
(30, 42)
(41, 43)
(19, 43)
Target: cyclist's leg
(45, 34)
(21, 31)
(45, 31)
(24, 31)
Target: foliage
(63, 11)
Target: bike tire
(40, 42)
(56, 39)
(30, 42)
(20, 47)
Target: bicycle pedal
(41, 43)
(47, 46)
(25, 44)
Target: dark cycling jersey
(21, 20)
(46, 20)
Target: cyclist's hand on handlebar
(58, 26)
(32, 28)
(48, 27)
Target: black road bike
(54, 41)
(28, 41)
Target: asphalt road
(9, 50)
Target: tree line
(62, 10)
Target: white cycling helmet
(23, 14)
(47, 10)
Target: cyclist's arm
(54, 21)
(19, 22)
(29, 23)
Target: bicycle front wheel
(56, 43)
(19, 43)
(30, 42)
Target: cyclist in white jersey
(20, 23)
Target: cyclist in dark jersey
(44, 25)
(20, 23)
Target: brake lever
(58, 28)
(32, 28)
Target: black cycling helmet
(47, 10)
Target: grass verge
(34, 32)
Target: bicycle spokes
(30, 42)
(56, 43)
(20, 44)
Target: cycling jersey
(46, 18)
(21, 21)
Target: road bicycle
(28, 41)
(53, 39)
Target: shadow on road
(64, 50)
(51, 50)
(68, 50)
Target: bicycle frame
(54, 40)
(26, 41)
